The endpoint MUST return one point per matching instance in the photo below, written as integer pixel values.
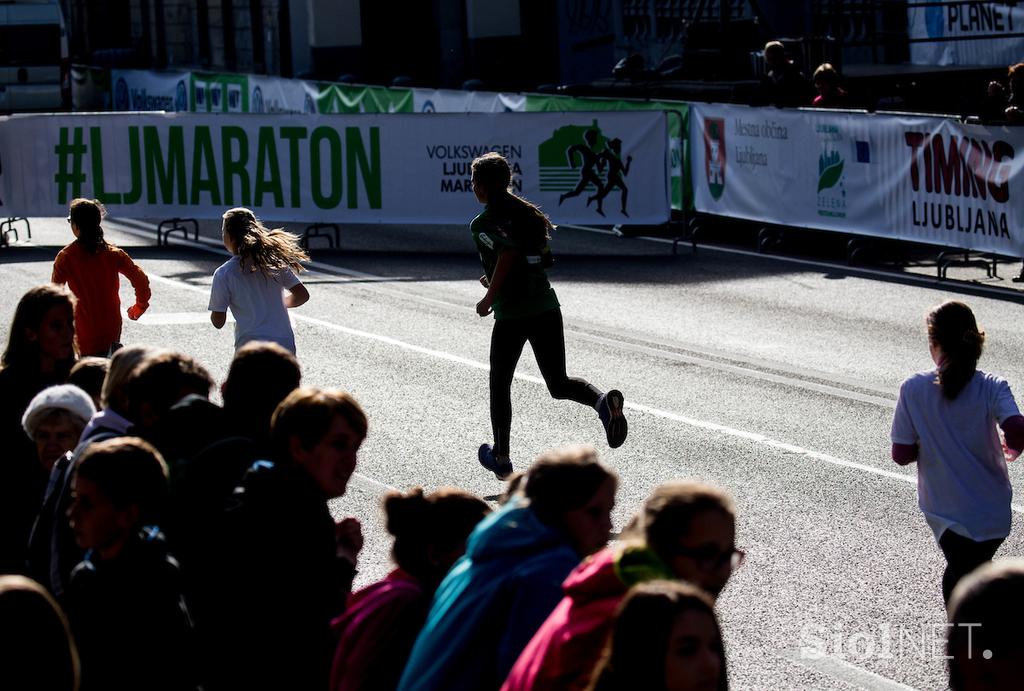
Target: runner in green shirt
(512, 235)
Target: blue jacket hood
(512, 529)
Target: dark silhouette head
(261, 375)
(953, 330)
(86, 217)
(664, 631)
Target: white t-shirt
(962, 482)
(256, 303)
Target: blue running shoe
(610, 410)
(502, 469)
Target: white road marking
(847, 672)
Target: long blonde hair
(268, 251)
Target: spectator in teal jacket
(502, 590)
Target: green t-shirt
(526, 291)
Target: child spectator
(984, 646)
(40, 352)
(382, 620)
(160, 382)
(52, 549)
(36, 648)
(88, 374)
(665, 636)
(114, 411)
(250, 283)
(261, 375)
(124, 600)
(946, 420)
(686, 531)
(826, 83)
(496, 596)
(286, 568)
(90, 266)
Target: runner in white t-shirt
(252, 282)
(946, 419)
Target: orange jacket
(93, 278)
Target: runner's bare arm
(506, 260)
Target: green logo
(219, 93)
(581, 158)
(830, 169)
(831, 190)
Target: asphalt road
(773, 379)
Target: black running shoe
(501, 469)
(610, 410)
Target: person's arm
(506, 260)
(220, 300)
(1013, 432)
(904, 454)
(140, 282)
(297, 295)
(904, 437)
(58, 275)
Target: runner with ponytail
(947, 420)
(512, 236)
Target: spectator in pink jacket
(686, 531)
(381, 621)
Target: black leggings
(544, 332)
(963, 555)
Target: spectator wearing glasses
(686, 531)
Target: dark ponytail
(441, 520)
(527, 222)
(87, 215)
(953, 328)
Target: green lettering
(266, 160)
(96, 146)
(134, 166)
(330, 135)
(170, 176)
(235, 167)
(293, 135)
(202, 157)
(369, 166)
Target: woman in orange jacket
(90, 266)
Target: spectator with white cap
(53, 420)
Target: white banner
(921, 179)
(277, 95)
(400, 168)
(983, 33)
(135, 90)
